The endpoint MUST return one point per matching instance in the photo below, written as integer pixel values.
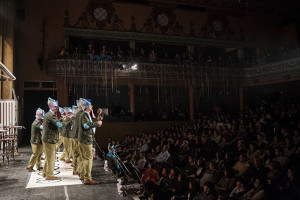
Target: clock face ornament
(217, 25)
(163, 19)
(100, 14)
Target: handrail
(7, 72)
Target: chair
(7, 144)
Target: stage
(17, 183)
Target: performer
(50, 138)
(85, 138)
(77, 111)
(60, 139)
(36, 141)
(65, 133)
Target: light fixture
(127, 67)
(134, 67)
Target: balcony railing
(286, 66)
(79, 67)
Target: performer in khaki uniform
(50, 138)
(65, 133)
(77, 111)
(60, 138)
(36, 141)
(85, 138)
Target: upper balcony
(171, 70)
(148, 70)
(276, 72)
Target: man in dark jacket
(36, 141)
(50, 138)
(77, 111)
(86, 131)
(65, 133)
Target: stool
(7, 144)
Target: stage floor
(15, 177)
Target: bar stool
(13, 132)
(7, 144)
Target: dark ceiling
(284, 8)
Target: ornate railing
(163, 72)
(286, 66)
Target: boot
(30, 169)
(91, 182)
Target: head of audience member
(242, 158)
(208, 186)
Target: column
(1, 41)
(7, 45)
(62, 93)
(241, 92)
(191, 96)
(131, 93)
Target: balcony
(166, 70)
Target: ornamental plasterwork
(101, 15)
(172, 39)
(291, 65)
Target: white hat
(75, 109)
(39, 114)
(68, 110)
(52, 103)
(84, 103)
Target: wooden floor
(14, 177)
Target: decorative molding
(149, 37)
(287, 66)
(117, 24)
(163, 19)
(218, 27)
(106, 6)
(100, 15)
(148, 26)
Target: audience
(209, 57)
(250, 155)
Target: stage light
(134, 67)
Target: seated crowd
(252, 155)
(204, 57)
